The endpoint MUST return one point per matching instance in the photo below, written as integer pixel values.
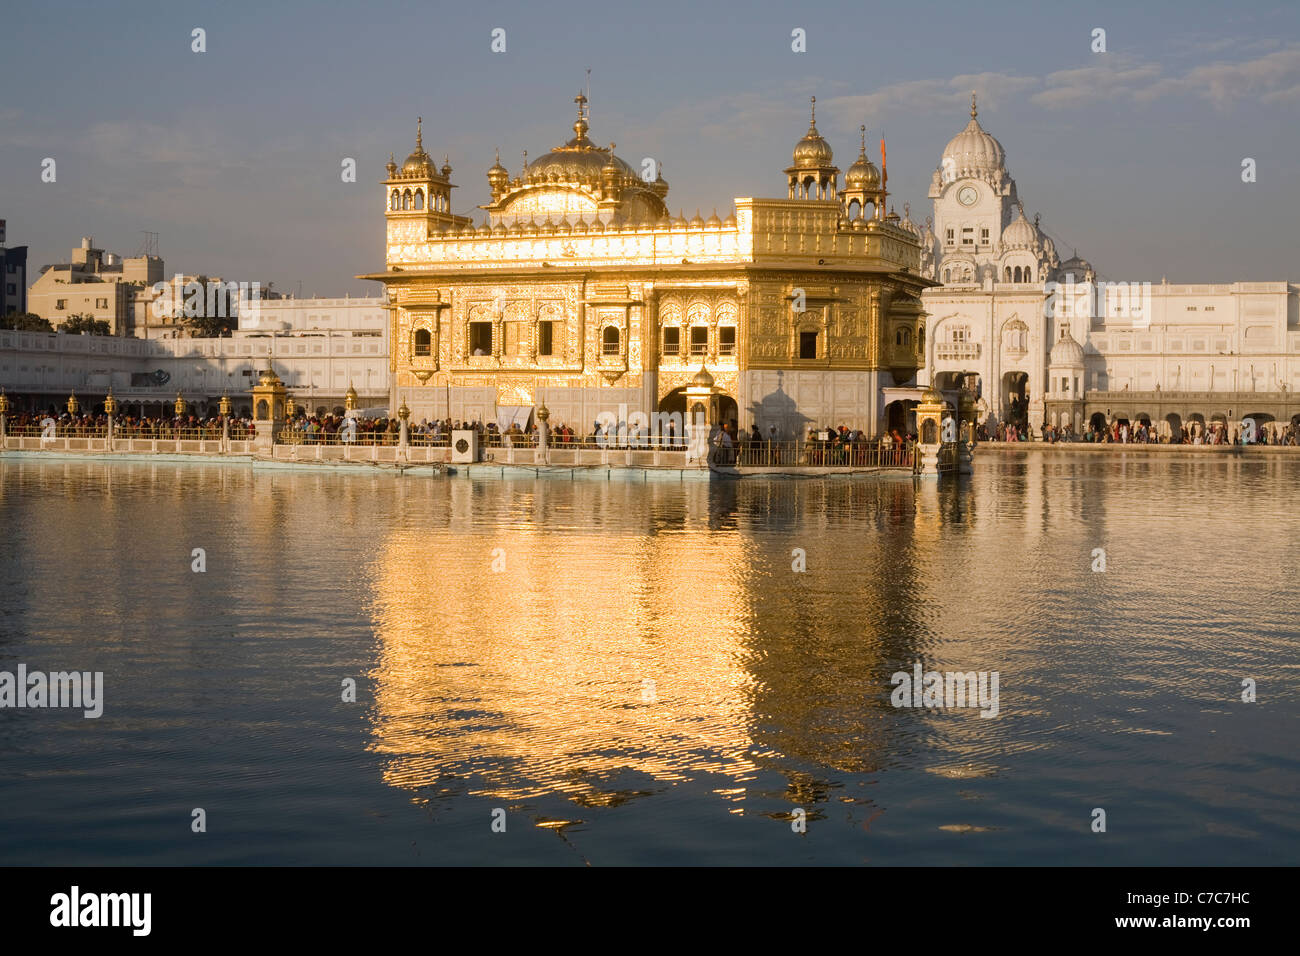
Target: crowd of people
(1123, 432)
(124, 426)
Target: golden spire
(580, 125)
(973, 111)
(863, 149)
(812, 122)
(419, 133)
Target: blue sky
(233, 156)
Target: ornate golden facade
(580, 291)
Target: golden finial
(973, 111)
(863, 130)
(812, 122)
(419, 133)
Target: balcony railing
(957, 351)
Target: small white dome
(1067, 353)
(1021, 234)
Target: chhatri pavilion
(579, 290)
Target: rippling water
(634, 673)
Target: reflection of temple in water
(636, 636)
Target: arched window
(419, 199)
(1006, 274)
(855, 209)
(1016, 275)
(395, 201)
(609, 340)
(947, 275)
(423, 342)
(406, 200)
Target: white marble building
(318, 347)
(1051, 341)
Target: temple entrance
(728, 413)
(674, 402)
(1015, 398)
(900, 418)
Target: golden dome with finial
(702, 378)
(863, 173)
(813, 151)
(418, 163)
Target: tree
(27, 322)
(203, 324)
(85, 323)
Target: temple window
(699, 339)
(419, 199)
(672, 341)
(423, 342)
(546, 338)
(480, 338)
(807, 345)
(726, 340)
(610, 340)
(395, 201)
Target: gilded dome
(418, 163)
(973, 150)
(702, 378)
(863, 173)
(812, 151)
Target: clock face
(967, 195)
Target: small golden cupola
(418, 194)
(861, 186)
(498, 177)
(813, 172)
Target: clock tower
(974, 200)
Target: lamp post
(403, 414)
(110, 409)
(224, 407)
(73, 405)
(543, 434)
(4, 411)
(179, 407)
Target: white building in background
(318, 347)
(1051, 341)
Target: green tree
(205, 325)
(27, 322)
(85, 323)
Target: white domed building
(1044, 341)
(986, 325)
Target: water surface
(634, 673)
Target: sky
(234, 155)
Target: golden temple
(579, 290)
